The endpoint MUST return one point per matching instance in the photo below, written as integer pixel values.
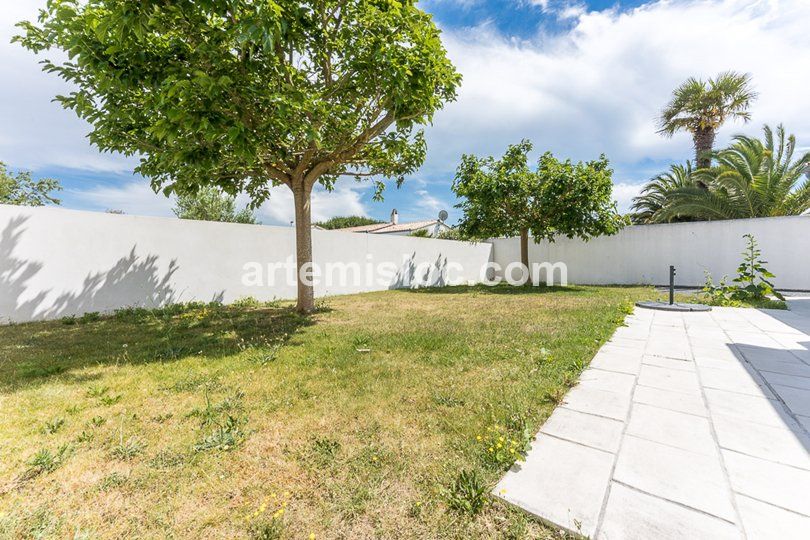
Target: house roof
(384, 228)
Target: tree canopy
(752, 178)
(246, 95)
(21, 188)
(505, 197)
(210, 204)
(342, 222)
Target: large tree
(246, 95)
(701, 107)
(21, 188)
(505, 197)
(752, 178)
(210, 204)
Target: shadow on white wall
(133, 280)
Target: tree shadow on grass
(34, 353)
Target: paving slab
(560, 482)
(681, 430)
(797, 399)
(633, 515)
(688, 426)
(669, 379)
(673, 401)
(599, 402)
(763, 521)
(621, 362)
(691, 479)
(785, 444)
(777, 484)
(583, 428)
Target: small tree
(246, 95)
(210, 204)
(504, 197)
(21, 189)
(342, 222)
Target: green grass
(251, 421)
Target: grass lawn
(253, 422)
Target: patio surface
(686, 425)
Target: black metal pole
(671, 285)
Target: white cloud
(345, 200)
(594, 88)
(133, 197)
(427, 205)
(34, 131)
(598, 87)
(136, 197)
(623, 194)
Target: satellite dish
(443, 215)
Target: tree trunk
(302, 197)
(524, 250)
(704, 142)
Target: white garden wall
(56, 262)
(642, 254)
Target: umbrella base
(677, 306)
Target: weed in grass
(73, 409)
(415, 509)
(324, 450)
(501, 447)
(211, 414)
(544, 356)
(161, 418)
(322, 305)
(266, 529)
(555, 395)
(361, 343)
(90, 316)
(225, 436)
(97, 421)
(468, 493)
(44, 461)
(85, 436)
(447, 401)
(112, 481)
(126, 450)
(97, 391)
(246, 301)
(109, 401)
(52, 426)
(166, 459)
(264, 526)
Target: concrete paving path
(686, 425)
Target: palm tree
(752, 178)
(701, 107)
(649, 205)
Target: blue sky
(577, 78)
